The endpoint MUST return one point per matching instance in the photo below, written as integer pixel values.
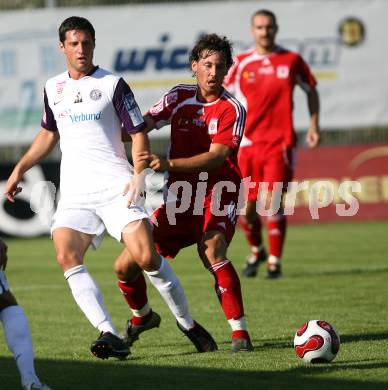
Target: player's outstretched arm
(207, 161)
(313, 133)
(42, 145)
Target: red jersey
(195, 125)
(264, 84)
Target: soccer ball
(316, 341)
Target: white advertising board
(343, 41)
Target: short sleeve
(303, 76)
(161, 111)
(127, 108)
(230, 126)
(48, 121)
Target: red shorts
(189, 229)
(265, 163)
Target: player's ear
(194, 65)
(61, 46)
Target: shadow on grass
(282, 343)
(285, 343)
(336, 272)
(349, 338)
(117, 375)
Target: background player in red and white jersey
(263, 79)
(16, 330)
(206, 129)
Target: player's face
(78, 48)
(210, 71)
(264, 32)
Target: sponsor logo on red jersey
(236, 140)
(282, 71)
(213, 126)
(171, 98)
(157, 108)
(267, 70)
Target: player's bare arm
(313, 133)
(207, 161)
(42, 145)
(3, 254)
(136, 187)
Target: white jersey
(89, 113)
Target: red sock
(228, 289)
(252, 231)
(240, 334)
(141, 320)
(277, 225)
(135, 293)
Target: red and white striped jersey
(264, 84)
(195, 125)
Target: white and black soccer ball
(316, 341)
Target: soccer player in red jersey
(206, 128)
(263, 79)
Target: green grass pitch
(336, 272)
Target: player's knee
(67, 259)
(213, 248)
(7, 299)
(125, 267)
(120, 271)
(146, 260)
(273, 202)
(251, 213)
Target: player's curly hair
(209, 43)
(75, 23)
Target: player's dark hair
(210, 43)
(265, 12)
(75, 23)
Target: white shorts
(96, 213)
(3, 283)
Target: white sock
(239, 324)
(257, 249)
(146, 309)
(273, 260)
(18, 338)
(89, 298)
(169, 287)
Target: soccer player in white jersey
(16, 330)
(86, 107)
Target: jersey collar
(94, 69)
